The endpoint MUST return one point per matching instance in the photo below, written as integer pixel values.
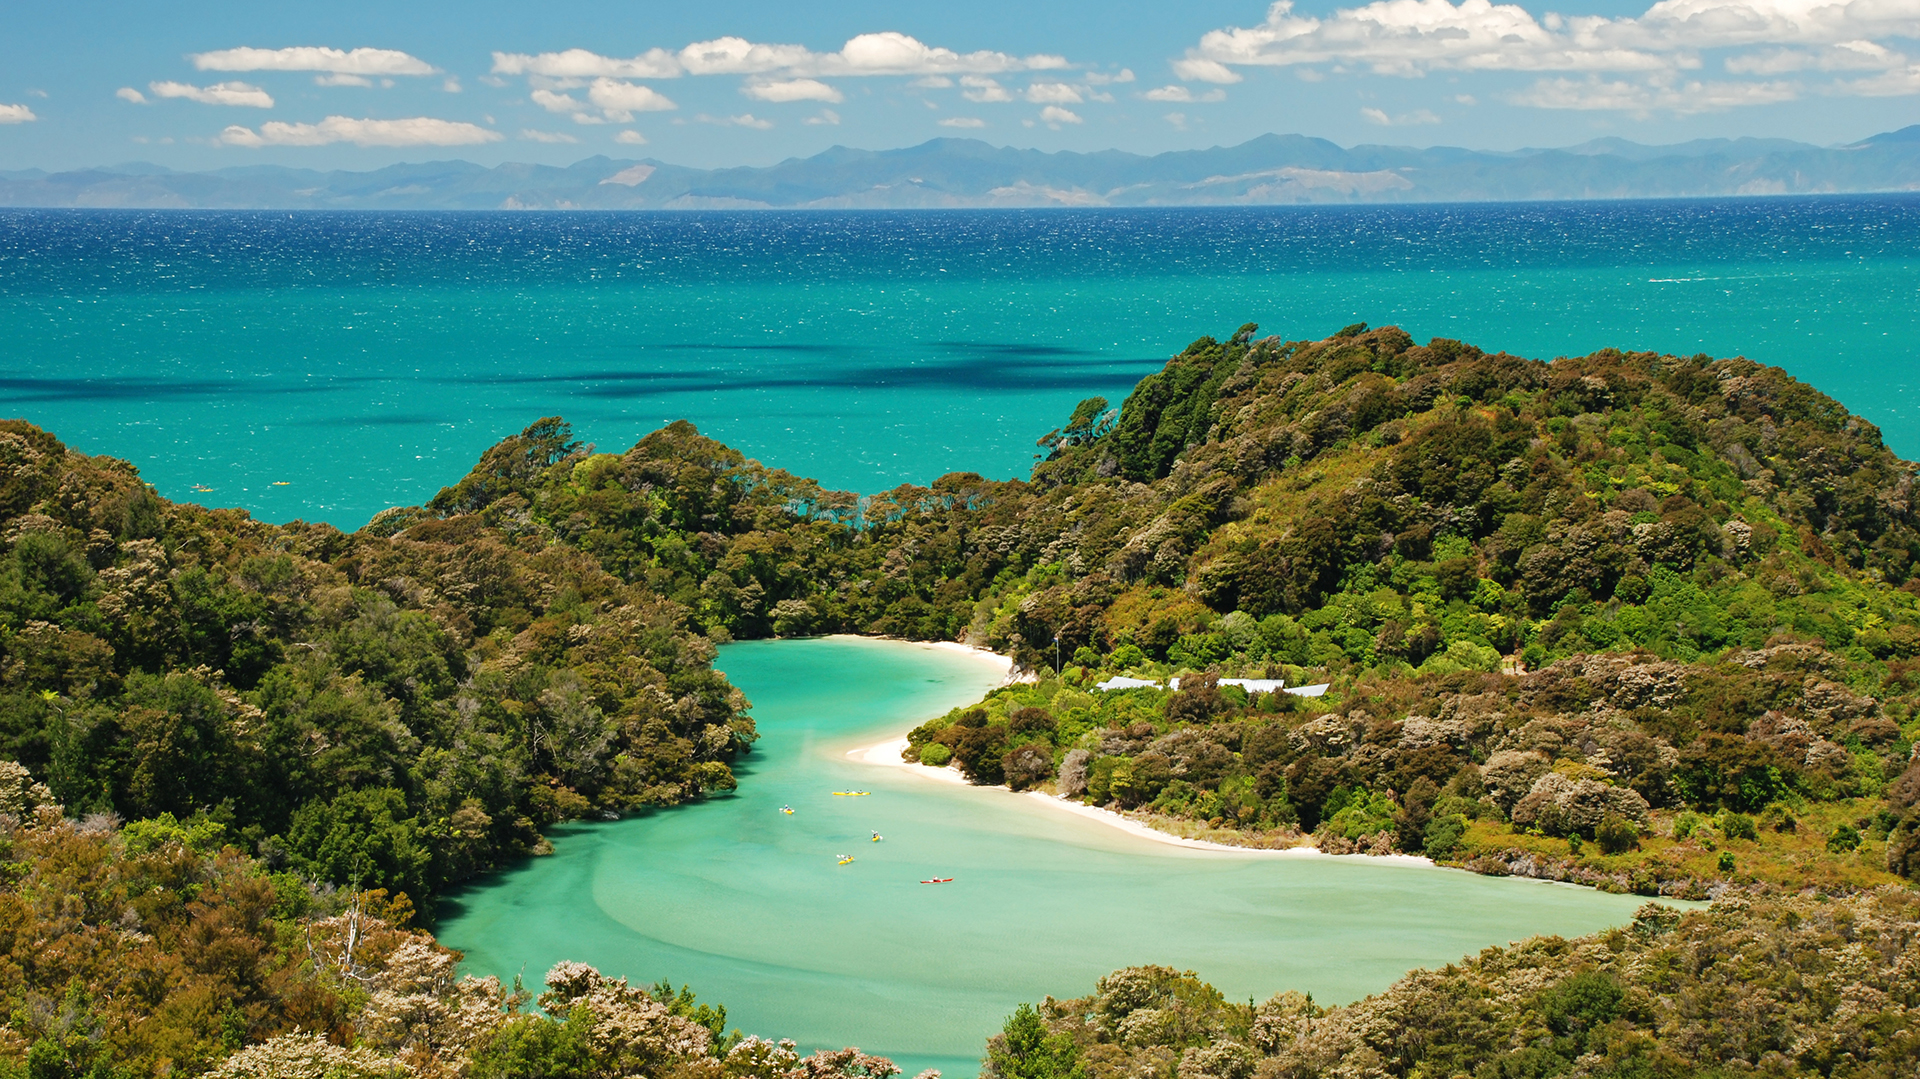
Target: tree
(1725, 770)
(365, 838)
(1026, 1049)
(1616, 834)
(1028, 766)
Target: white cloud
(341, 79)
(128, 93)
(1594, 94)
(1183, 95)
(532, 135)
(415, 131)
(630, 137)
(933, 82)
(1412, 37)
(826, 117)
(738, 56)
(1405, 119)
(1053, 93)
(220, 93)
(983, 90)
(1096, 78)
(962, 121)
(619, 100)
(581, 64)
(16, 114)
(1846, 56)
(314, 58)
(451, 86)
(1887, 84)
(1053, 116)
(791, 90)
(41, 94)
(555, 102)
(888, 53)
(1408, 37)
(1709, 24)
(1200, 69)
(743, 120)
(1178, 120)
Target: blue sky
(352, 84)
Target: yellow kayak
(844, 860)
(850, 794)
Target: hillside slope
(1644, 622)
(1642, 587)
(393, 713)
(1264, 171)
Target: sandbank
(887, 754)
(1003, 663)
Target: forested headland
(1645, 622)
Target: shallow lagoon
(749, 906)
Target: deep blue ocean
(328, 365)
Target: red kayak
(938, 880)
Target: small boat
(283, 483)
(876, 837)
(201, 487)
(788, 810)
(845, 858)
(849, 794)
(938, 880)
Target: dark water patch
(982, 376)
(29, 388)
(1014, 348)
(583, 376)
(824, 350)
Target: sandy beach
(887, 754)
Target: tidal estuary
(752, 908)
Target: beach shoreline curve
(888, 754)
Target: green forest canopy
(1641, 621)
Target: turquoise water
(366, 359)
(750, 906)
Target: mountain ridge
(1271, 169)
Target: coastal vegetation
(1782, 986)
(1643, 622)
(157, 949)
(366, 710)
(1589, 619)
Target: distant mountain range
(1272, 169)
